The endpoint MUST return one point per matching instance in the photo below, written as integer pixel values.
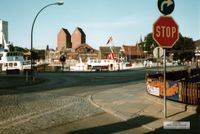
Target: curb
(114, 113)
(150, 128)
(182, 106)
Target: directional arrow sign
(166, 7)
(167, 2)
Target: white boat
(104, 65)
(12, 60)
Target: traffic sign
(166, 7)
(165, 32)
(158, 52)
(62, 58)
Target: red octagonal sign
(165, 32)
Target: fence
(182, 86)
(190, 92)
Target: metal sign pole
(157, 60)
(166, 40)
(164, 75)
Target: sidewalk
(132, 102)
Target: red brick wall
(77, 38)
(63, 40)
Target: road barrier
(191, 91)
(182, 86)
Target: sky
(125, 20)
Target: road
(61, 99)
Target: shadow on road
(194, 125)
(117, 127)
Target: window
(15, 64)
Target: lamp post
(57, 3)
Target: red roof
(132, 50)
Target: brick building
(86, 52)
(78, 38)
(63, 39)
(105, 51)
(133, 52)
(73, 47)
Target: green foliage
(11, 47)
(38, 54)
(150, 43)
(183, 49)
(35, 55)
(16, 48)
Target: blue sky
(125, 20)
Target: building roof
(28, 53)
(66, 31)
(107, 49)
(132, 50)
(80, 30)
(86, 46)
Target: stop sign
(165, 32)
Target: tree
(38, 54)
(150, 42)
(11, 47)
(183, 49)
(15, 48)
(35, 55)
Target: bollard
(180, 91)
(33, 75)
(26, 75)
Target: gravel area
(26, 113)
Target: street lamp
(57, 3)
